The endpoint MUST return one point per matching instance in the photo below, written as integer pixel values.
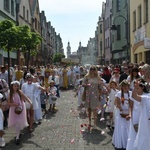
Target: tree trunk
(8, 55)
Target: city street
(64, 130)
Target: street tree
(30, 41)
(9, 34)
(57, 57)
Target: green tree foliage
(13, 37)
(8, 35)
(57, 57)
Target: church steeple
(68, 50)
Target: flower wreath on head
(15, 82)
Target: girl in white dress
(38, 111)
(134, 121)
(122, 115)
(79, 93)
(52, 92)
(142, 140)
(112, 90)
(29, 89)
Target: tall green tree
(57, 57)
(9, 35)
(30, 41)
(13, 37)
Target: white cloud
(70, 6)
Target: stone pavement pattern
(63, 131)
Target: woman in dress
(142, 140)
(91, 83)
(16, 99)
(134, 74)
(65, 78)
(134, 121)
(122, 115)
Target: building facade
(140, 31)
(120, 31)
(107, 32)
(8, 11)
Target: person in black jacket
(124, 75)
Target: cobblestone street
(64, 130)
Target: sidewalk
(64, 130)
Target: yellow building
(140, 30)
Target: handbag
(84, 95)
(18, 110)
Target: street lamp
(115, 28)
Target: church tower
(68, 50)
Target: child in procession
(16, 102)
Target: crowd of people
(122, 91)
(32, 92)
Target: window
(118, 32)
(35, 23)
(134, 20)
(24, 12)
(27, 15)
(101, 45)
(145, 11)
(12, 7)
(118, 5)
(6, 5)
(37, 10)
(105, 43)
(139, 17)
(101, 28)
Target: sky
(75, 20)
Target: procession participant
(124, 75)
(4, 74)
(146, 73)
(4, 89)
(106, 75)
(47, 73)
(60, 77)
(142, 140)
(136, 112)
(38, 111)
(23, 79)
(52, 92)
(55, 78)
(17, 113)
(29, 89)
(122, 115)
(116, 76)
(91, 83)
(18, 74)
(65, 77)
(112, 90)
(134, 74)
